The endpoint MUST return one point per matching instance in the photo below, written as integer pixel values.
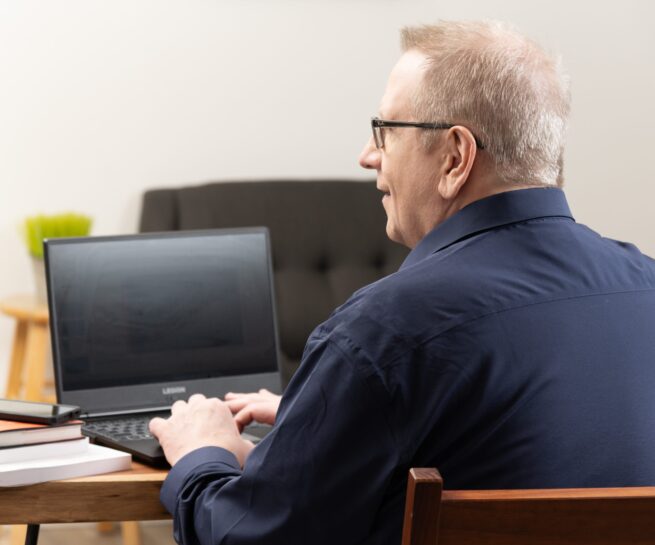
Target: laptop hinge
(127, 411)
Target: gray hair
(507, 90)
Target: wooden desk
(125, 495)
(29, 505)
(27, 368)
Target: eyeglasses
(378, 125)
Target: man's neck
(476, 190)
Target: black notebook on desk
(141, 321)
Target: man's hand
(199, 423)
(260, 407)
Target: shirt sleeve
(318, 477)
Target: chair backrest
(565, 516)
(328, 239)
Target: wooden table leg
(17, 534)
(105, 527)
(131, 533)
(37, 346)
(17, 360)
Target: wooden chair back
(567, 516)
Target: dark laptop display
(140, 321)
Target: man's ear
(459, 155)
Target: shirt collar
(490, 213)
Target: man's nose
(370, 155)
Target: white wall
(100, 100)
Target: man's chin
(393, 234)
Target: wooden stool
(27, 367)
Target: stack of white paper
(90, 460)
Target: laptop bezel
(158, 396)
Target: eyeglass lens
(377, 135)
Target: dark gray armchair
(328, 240)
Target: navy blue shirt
(513, 349)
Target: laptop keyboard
(130, 428)
(135, 428)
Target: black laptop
(141, 321)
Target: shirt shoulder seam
(496, 312)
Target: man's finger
(177, 406)
(250, 395)
(196, 397)
(235, 405)
(260, 412)
(155, 425)
(243, 417)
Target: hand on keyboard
(199, 423)
(261, 407)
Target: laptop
(141, 321)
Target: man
(512, 348)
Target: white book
(94, 461)
(44, 450)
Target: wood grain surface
(565, 516)
(125, 495)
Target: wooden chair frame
(569, 516)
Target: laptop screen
(159, 308)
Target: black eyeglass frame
(377, 124)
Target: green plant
(61, 225)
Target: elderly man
(513, 348)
